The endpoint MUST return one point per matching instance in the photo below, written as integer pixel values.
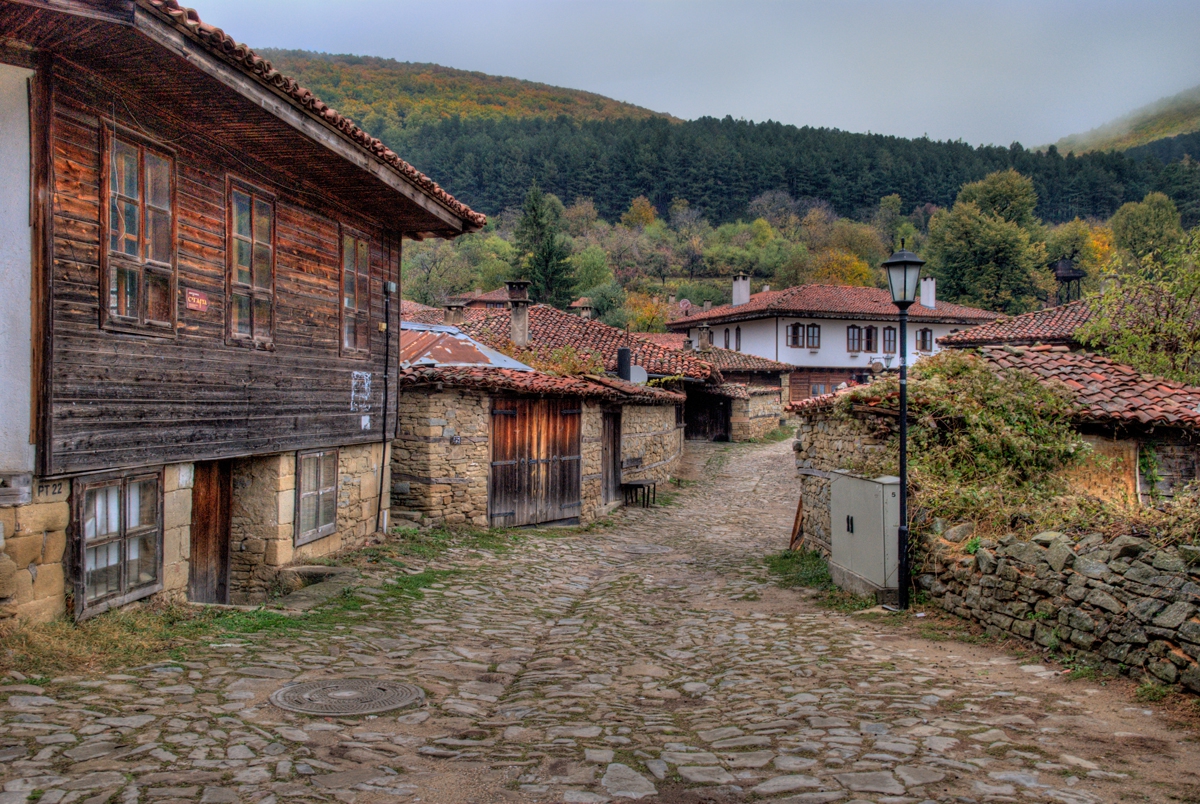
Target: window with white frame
(119, 522)
(316, 495)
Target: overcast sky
(986, 72)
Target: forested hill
(385, 96)
(720, 165)
(1168, 117)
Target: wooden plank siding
(121, 400)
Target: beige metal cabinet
(865, 522)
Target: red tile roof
(410, 310)
(1054, 325)
(582, 301)
(551, 329)
(241, 56)
(819, 402)
(1106, 391)
(535, 382)
(667, 340)
(740, 390)
(723, 359)
(830, 301)
(497, 295)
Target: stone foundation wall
(435, 480)
(263, 519)
(755, 417)
(177, 530)
(824, 442)
(651, 443)
(1125, 605)
(591, 452)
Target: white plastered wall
(16, 453)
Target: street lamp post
(904, 280)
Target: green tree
(608, 304)
(1149, 316)
(1006, 194)
(985, 260)
(591, 268)
(1147, 228)
(542, 252)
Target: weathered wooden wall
(123, 399)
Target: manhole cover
(351, 696)
(645, 549)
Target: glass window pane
(241, 260)
(241, 214)
(328, 508)
(364, 257)
(102, 512)
(141, 560)
(308, 473)
(347, 253)
(158, 235)
(350, 301)
(308, 513)
(130, 229)
(116, 226)
(124, 170)
(349, 333)
(123, 294)
(262, 221)
(328, 470)
(102, 570)
(241, 315)
(143, 503)
(364, 335)
(158, 297)
(158, 181)
(262, 266)
(262, 318)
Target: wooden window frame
(925, 339)
(795, 336)
(726, 337)
(737, 339)
(854, 338)
(111, 132)
(308, 537)
(871, 339)
(889, 336)
(812, 336)
(254, 341)
(362, 314)
(80, 545)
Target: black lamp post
(904, 279)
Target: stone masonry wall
(434, 480)
(591, 452)
(824, 442)
(177, 530)
(651, 442)
(263, 520)
(755, 417)
(1126, 605)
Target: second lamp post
(904, 280)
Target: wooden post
(798, 526)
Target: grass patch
(775, 436)
(808, 569)
(1151, 692)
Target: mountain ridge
(1167, 117)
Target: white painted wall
(16, 271)
(767, 337)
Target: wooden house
(200, 264)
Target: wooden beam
(172, 40)
(115, 11)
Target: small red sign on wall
(197, 300)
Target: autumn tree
(641, 213)
(542, 252)
(837, 267)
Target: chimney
(518, 288)
(688, 345)
(928, 292)
(741, 290)
(707, 306)
(705, 337)
(624, 361)
(518, 322)
(454, 312)
(766, 289)
(671, 299)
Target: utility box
(864, 523)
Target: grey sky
(984, 72)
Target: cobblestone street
(650, 659)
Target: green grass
(808, 569)
(1151, 692)
(776, 435)
(972, 546)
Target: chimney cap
(518, 288)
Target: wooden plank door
(707, 417)
(508, 484)
(208, 568)
(536, 461)
(610, 447)
(562, 460)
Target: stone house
(200, 268)
(485, 440)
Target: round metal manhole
(350, 696)
(645, 549)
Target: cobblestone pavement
(648, 660)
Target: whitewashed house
(830, 333)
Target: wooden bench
(648, 489)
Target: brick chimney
(928, 292)
(741, 290)
(454, 313)
(518, 318)
(705, 338)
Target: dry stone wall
(753, 418)
(1126, 605)
(651, 442)
(591, 456)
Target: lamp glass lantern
(904, 277)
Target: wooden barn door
(611, 455)
(707, 417)
(208, 568)
(535, 466)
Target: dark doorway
(706, 417)
(536, 462)
(208, 572)
(611, 455)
